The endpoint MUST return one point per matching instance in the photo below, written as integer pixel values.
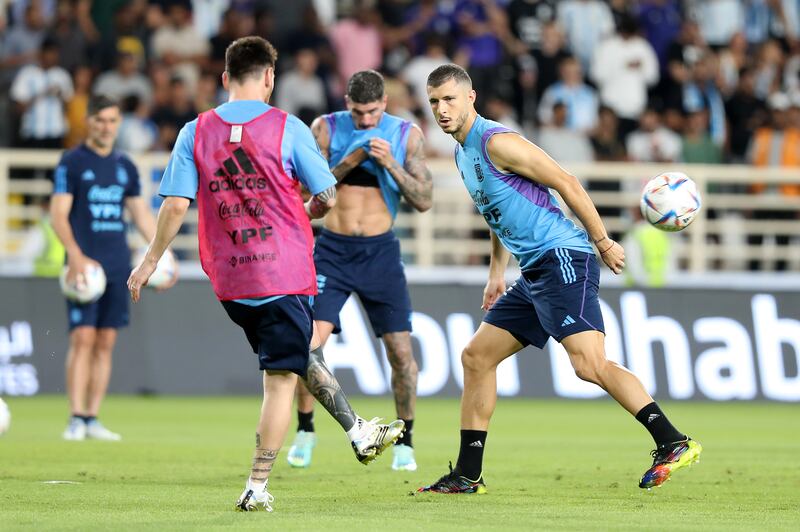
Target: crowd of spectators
(618, 80)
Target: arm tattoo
(324, 386)
(328, 193)
(414, 178)
(318, 205)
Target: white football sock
(257, 487)
(355, 431)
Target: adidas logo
(652, 417)
(476, 444)
(567, 321)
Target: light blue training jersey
(523, 214)
(299, 152)
(345, 138)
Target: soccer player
(376, 158)
(509, 180)
(243, 162)
(93, 186)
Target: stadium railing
(735, 225)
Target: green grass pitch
(550, 465)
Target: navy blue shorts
(556, 297)
(110, 311)
(369, 266)
(279, 331)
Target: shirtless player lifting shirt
(377, 158)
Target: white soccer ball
(165, 270)
(5, 417)
(88, 288)
(670, 201)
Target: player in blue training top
(377, 158)
(509, 180)
(93, 186)
(242, 162)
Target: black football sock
(405, 439)
(656, 422)
(470, 456)
(305, 421)
(89, 419)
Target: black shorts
(279, 331)
(369, 266)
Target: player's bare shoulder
(511, 152)
(322, 134)
(415, 153)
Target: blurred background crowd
(619, 80)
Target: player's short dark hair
(365, 87)
(249, 56)
(445, 73)
(98, 102)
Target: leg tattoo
(404, 373)
(324, 386)
(263, 460)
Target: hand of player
(76, 268)
(172, 280)
(613, 255)
(495, 288)
(139, 277)
(381, 151)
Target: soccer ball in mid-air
(87, 288)
(5, 417)
(165, 270)
(670, 201)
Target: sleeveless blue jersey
(345, 138)
(522, 213)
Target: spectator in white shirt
(125, 81)
(301, 89)
(40, 91)
(652, 142)
(624, 67)
(579, 98)
(586, 23)
(562, 143)
(180, 45)
(720, 20)
(437, 142)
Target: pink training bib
(255, 238)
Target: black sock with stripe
(657, 424)
(470, 456)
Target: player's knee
(589, 368)
(401, 358)
(104, 345)
(473, 359)
(587, 373)
(82, 340)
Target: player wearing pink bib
(243, 163)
